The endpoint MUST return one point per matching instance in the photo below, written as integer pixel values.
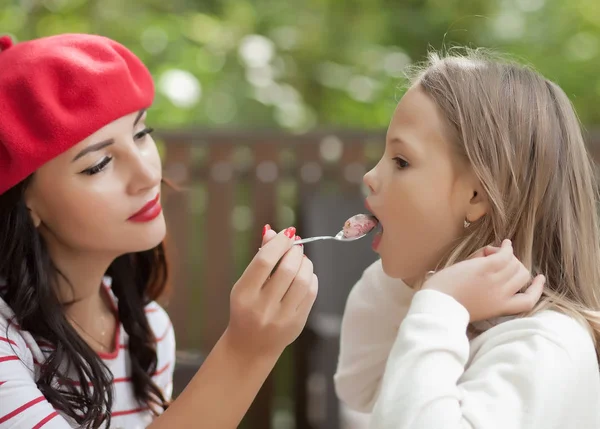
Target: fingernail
(266, 228)
(290, 232)
(298, 239)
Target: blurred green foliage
(304, 64)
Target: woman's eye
(400, 163)
(143, 133)
(98, 167)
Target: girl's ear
(478, 205)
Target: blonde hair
(524, 142)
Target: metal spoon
(355, 228)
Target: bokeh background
(270, 111)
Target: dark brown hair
(30, 275)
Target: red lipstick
(149, 212)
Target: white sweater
(407, 358)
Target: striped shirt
(22, 405)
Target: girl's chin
(393, 270)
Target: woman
(82, 342)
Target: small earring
(466, 223)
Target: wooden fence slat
(351, 166)
(309, 168)
(309, 173)
(177, 214)
(264, 194)
(220, 269)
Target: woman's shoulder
(162, 328)
(158, 319)
(16, 343)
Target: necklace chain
(102, 334)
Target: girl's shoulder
(562, 331)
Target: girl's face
(421, 190)
(86, 199)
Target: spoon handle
(308, 240)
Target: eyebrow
(139, 116)
(101, 145)
(399, 141)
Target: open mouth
(377, 237)
(378, 230)
(379, 227)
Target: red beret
(58, 90)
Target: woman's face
(421, 190)
(103, 195)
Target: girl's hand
(489, 283)
(268, 309)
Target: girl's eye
(400, 163)
(98, 167)
(143, 133)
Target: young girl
(82, 342)
(479, 151)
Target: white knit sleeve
(376, 306)
(529, 373)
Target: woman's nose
(145, 173)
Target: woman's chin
(150, 237)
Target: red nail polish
(266, 228)
(290, 232)
(298, 239)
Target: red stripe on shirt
(6, 340)
(11, 321)
(21, 409)
(7, 358)
(126, 412)
(124, 379)
(2, 382)
(46, 420)
(46, 344)
(163, 369)
(163, 336)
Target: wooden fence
(232, 183)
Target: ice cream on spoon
(359, 225)
(355, 228)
